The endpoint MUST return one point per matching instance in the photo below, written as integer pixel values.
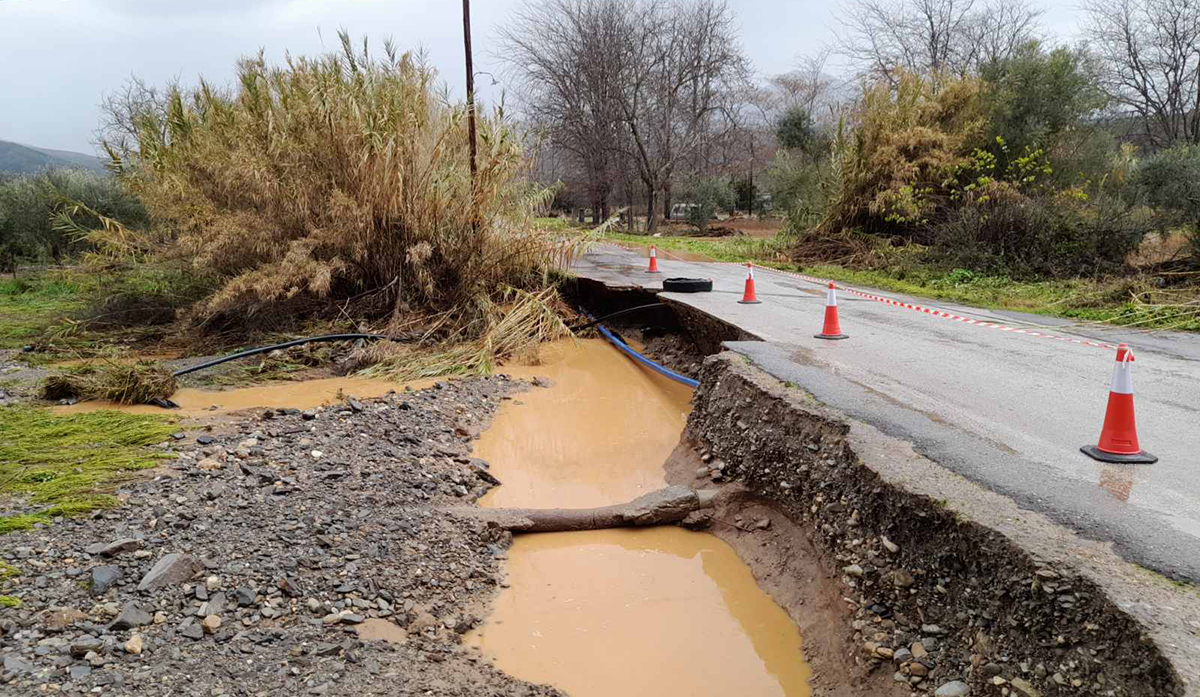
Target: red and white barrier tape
(943, 314)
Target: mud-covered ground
(251, 563)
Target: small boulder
(86, 644)
(135, 645)
(103, 578)
(956, 688)
(112, 549)
(132, 615)
(169, 570)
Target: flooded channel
(659, 612)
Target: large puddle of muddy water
(660, 611)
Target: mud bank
(953, 590)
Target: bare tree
(126, 111)
(681, 62)
(806, 87)
(1150, 63)
(952, 36)
(560, 55)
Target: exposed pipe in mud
(660, 369)
(286, 344)
(618, 313)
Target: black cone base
(1142, 458)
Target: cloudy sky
(57, 57)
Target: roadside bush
(341, 183)
(797, 187)
(707, 197)
(894, 163)
(42, 216)
(1170, 181)
(1000, 229)
(1036, 97)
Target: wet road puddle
(660, 611)
(288, 395)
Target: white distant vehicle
(681, 211)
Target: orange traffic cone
(749, 298)
(653, 260)
(1118, 437)
(832, 329)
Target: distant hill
(26, 159)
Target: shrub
(1171, 181)
(1000, 229)
(707, 197)
(796, 130)
(342, 182)
(32, 225)
(894, 163)
(1034, 97)
(797, 187)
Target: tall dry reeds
(340, 184)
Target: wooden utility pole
(470, 86)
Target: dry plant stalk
(340, 184)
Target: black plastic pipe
(286, 344)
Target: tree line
(948, 106)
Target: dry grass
(524, 321)
(338, 187)
(113, 381)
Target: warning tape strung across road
(941, 313)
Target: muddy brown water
(662, 611)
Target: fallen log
(663, 507)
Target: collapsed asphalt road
(1004, 409)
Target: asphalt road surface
(1005, 409)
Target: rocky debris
(956, 688)
(246, 547)
(103, 578)
(111, 549)
(946, 606)
(172, 569)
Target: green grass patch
(10, 601)
(736, 249)
(30, 305)
(65, 465)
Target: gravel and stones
(217, 574)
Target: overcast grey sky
(59, 56)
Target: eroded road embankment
(952, 587)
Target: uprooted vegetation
(139, 382)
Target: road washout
(657, 612)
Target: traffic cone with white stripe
(1118, 436)
(833, 328)
(653, 260)
(748, 297)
